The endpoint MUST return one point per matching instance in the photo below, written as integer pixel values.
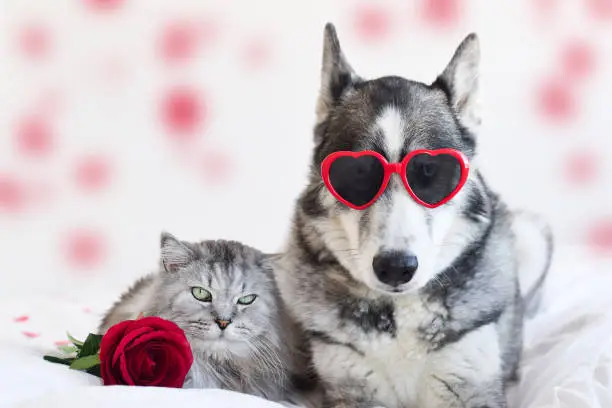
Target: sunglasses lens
(433, 178)
(357, 179)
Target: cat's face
(220, 293)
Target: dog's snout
(395, 267)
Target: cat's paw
(290, 405)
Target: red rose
(149, 351)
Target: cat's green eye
(201, 294)
(247, 300)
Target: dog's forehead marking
(391, 124)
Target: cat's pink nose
(222, 323)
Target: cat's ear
(174, 253)
(337, 76)
(460, 81)
(268, 261)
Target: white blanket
(150, 397)
(567, 361)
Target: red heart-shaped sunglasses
(431, 177)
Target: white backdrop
(120, 118)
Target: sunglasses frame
(400, 169)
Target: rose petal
(139, 365)
(163, 336)
(157, 323)
(149, 365)
(186, 356)
(112, 337)
(130, 336)
(152, 374)
(134, 363)
(106, 371)
(161, 357)
(172, 373)
(175, 377)
(146, 339)
(151, 351)
(171, 369)
(178, 367)
(125, 374)
(107, 377)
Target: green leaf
(90, 346)
(74, 341)
(58, 360)
(95, 370)
(68, 349)
(85, 362)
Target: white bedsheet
(150, 397)
(567, 361)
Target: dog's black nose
(394, 267)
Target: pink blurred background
(122, 118)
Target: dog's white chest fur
(397, 363)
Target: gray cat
(223, 295)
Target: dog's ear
(460, 81)
(337, 76)
(174, 253)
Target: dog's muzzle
(395, 268)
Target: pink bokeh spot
(92, 173)
(178, 42)
(85, 249)
(578, 60)
(207, 31)
(556, 101)
(441, 13)
(600, 9)
(581, 168)
(183, 112)
(372, 23)
(50, 102)
(39, 193)
(256, 54)
(600, 236)
(104, 5)
(34, 137)
(113, 71)
(34, 41)
(217, 166)
(12, 194)
(545, 8)
(21, 319)
(31, 335)
(62, 342)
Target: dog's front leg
(344, 374)
(465, 374)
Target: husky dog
(223, 295)
(405, 305)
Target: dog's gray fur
(258, 353)
(452, 337)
